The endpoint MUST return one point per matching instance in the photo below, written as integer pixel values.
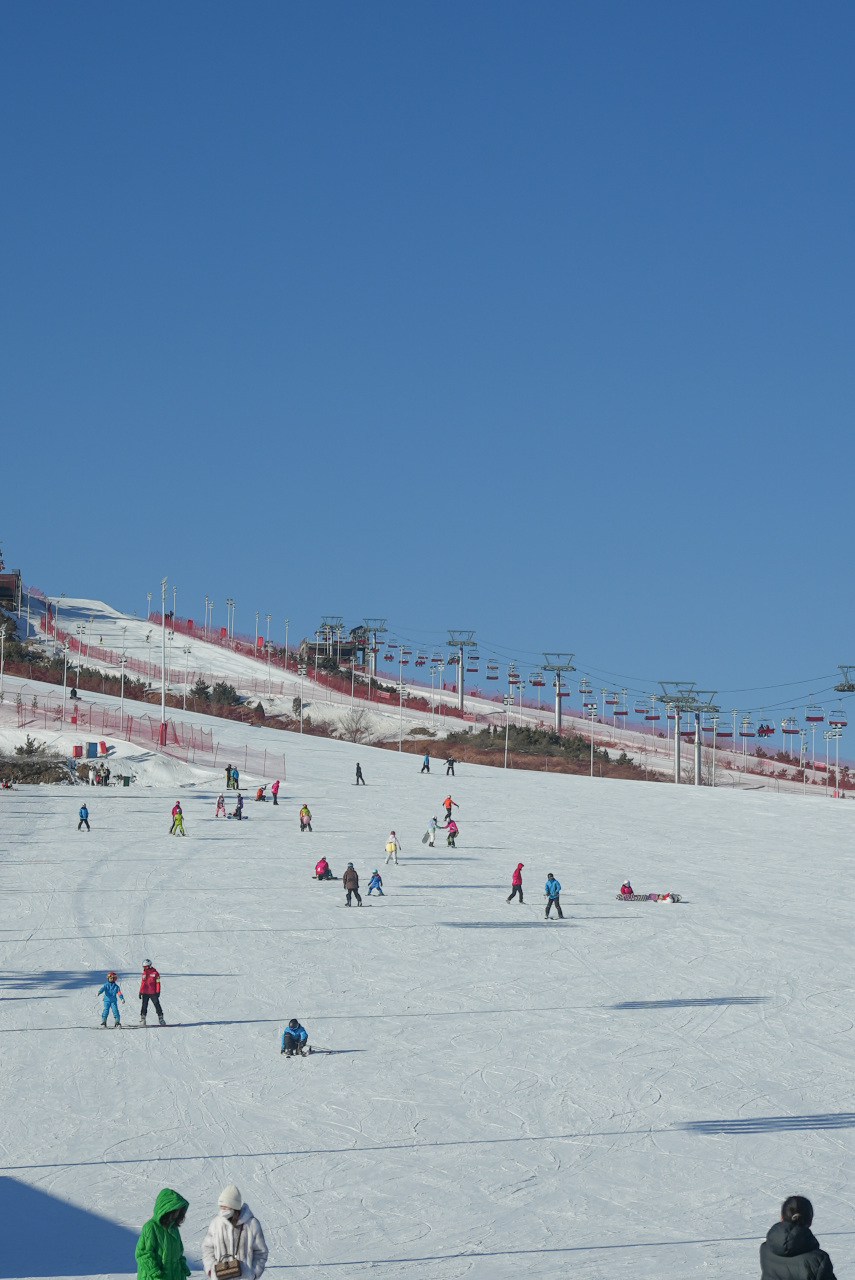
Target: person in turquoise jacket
(159, 1251)
(294, 1038)
(552, 889)
(112, 992)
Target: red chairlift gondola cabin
(814, 714)
(492, 670)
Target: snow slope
(629, 1093)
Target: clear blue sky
(533, 318)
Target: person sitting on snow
(323, 870)
(626, 889)
(294, 1039)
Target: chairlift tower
(460, 640)
(847, 684)
(375, 627)
(683, 696)
(557, 663)
(330, 623)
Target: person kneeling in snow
(323, 870)
(626, 889)
(294, 1039)
(234, 1234)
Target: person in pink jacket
(274, 790)
(516, 883)
(452, 828)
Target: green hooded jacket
(159, 1251)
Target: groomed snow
(629, 1093)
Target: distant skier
(552, 890)
(235, 780)
(150, 990)
(274, 791)
(425, 763)
(323, 870)
(516, 884)
(626, 889)
(221, 806)
(294, 1040)
(449, 766)
(393, 847)
(259, 795)
(359, 777)
(159, 1251)
(228, 777)
(350, 884)
(305, 818)
(238, 809)
(177, 828)
(376, 882)
(83, 815)
(449, 805)
(112, 992)
(432, 825)
(453, 831)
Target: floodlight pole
(460, 640)
(697, 748)
(558, 662)
(163, 663)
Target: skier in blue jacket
(552, 889)
(83, 815)
(294, 1039)
(112, 992)
(376, 882)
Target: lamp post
(122, 662)
(593, 717)
(301, 671)
(3, 659)
(187, 651)
(269, 647)
(206, 617)
(400, 713)
(163, 662)
(508, 700)
(230, 618)
(255, 649)
(80, 630)
(64, 678)
(287, 620)
(148, 608)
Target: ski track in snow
(628, 1093)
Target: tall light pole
(206, 617)
(64, 678)
(400, 712)
(593, 718)
(301, 671)
(230, 618)
(558, 662)
(269, 647)
(508, 700)
(80, 630)
(287, 620)
(174, 604)
(187, 652)
(148, 610)
(163, 662)
(122, 661)
(255, 650)
(3, 660)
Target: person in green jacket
(159, 1251)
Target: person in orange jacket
(150, 990)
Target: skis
(649, 897)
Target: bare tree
(357, 726)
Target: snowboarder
(150, 990)
(516, 884)
(323, 870)
(359, 777)
(425, 763)
(393, 847)
(177, 828)
(449, 805)
(305, 819)
(626, 889)
(159, 1252)
(234, 1235)
(376, 882)
(112, 993)
(350, 883)
(791, 1251)
(294, 1039)
(259, 795)
(449, 766)
(221, 806)
(432, 825)
(228, 777)
(83, 815)
(552, 890)
(453, 830)
(274, 791)
(238, 809)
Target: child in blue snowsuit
(294, 1038)
(112, 992)
(83, 815)
(376, 882)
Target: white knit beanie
(231, 1198)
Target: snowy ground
(629, 1093)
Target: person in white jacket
(393, 847)
(234, 1233)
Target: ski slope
(628, 1093)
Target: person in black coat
(791, 1251)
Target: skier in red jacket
(516, 883)
(150, 990)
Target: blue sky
(531, 318)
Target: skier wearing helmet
(112, 993)
(295, 1040)
(376, 882)
(150, 990)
